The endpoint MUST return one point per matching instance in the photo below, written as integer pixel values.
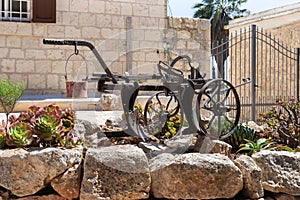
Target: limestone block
(194, 176)
(104, 21)
(43, 66)
(70, 18)
(24, 29)
(72, 32)
(113, 8)
(31, 42)
(79, 5)
(58, 67)
(3, 52)
(56, 54)
(63, 6)
(158, 11)
(252, 177)
(91, 32)
(115, 172)
(23, 66)
(52, 81)
(36, 81)
(126, 9)
(87, 19)
(56, 31)
(35, 54)
(140, 10)
(13, 41)
(8, 28)
(96, 6)
(118, 22)
(38, 29)
(3, 40)
(280, 171)
(27, 172)
(16, 53)
(153, 35)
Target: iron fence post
(297, 73)
(253, 71)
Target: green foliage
(2, 137)
(10, 93)
(41, 126)
(283, 123)
(19, 135)
(46, 125)
(250, 147)
(219, 12)
(239, 135)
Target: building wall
(104, 23)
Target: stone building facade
(130, 35)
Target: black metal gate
(272, 67)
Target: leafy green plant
(239, 135)
(254, 146)
(10, 93)
(283, 123)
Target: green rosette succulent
(47, 125)
(19, 135)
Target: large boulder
(280, 171)
(27, 172)
(252, 177)
(194, 176)
(115, 172)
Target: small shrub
(10, 93)
(283, 123)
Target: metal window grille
(15, 10)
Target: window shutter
(44, 11)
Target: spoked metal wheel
(163, 117)
(219, 108)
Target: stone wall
(128, 34)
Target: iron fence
(255, 54)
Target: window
(19, 10)
(15, 10)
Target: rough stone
(252, 177)
(280, 171)
(115, 172)
(43, 197)
(194, 176)
(207, 145)
(91, 133)
(282, 196)
(27, 172)
(68, 184)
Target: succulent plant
(46, 125)
(19, 134)
(239, 135)
(2, 137)
(283, 123)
